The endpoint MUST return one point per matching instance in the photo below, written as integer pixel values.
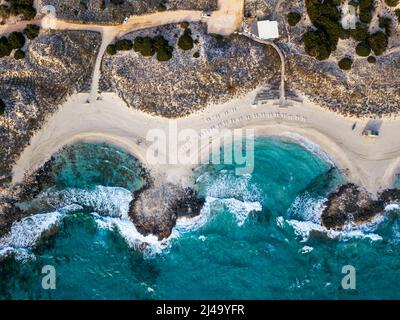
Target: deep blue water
(254, 242)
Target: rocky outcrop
(367, 90)
(156, 208)
(352, 204)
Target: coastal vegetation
(146, 46)
(15, 41)
(322, 40)
(19, 54)
(149, 46)
(392, 3)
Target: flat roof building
(266, 29)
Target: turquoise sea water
(254, 240)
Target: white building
(266, 29)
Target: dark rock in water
(156, 208)
(352, 204)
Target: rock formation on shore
(56, 65)
(156, 208)
(352, 204)
(116, 11)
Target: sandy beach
(370, 162)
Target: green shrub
(31, 31)
(386, 24)
(371, 59)
(360, 33)
(397, 12)
(186, 42)
(363, 49)
(22, 7)
(345, 64)
(392, 3)
(28, 13)
(16, 40)
(5, 47)
(293, 18)
(164, 53)
(112, 50)
(124, 45)
(378, 42)
(147, 47)
(196, 55)
(19, 54)
(184, 25)
(138, 44)
(2, 107)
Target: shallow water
(252, 240)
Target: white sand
(369, 162)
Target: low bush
(293, 18)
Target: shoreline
(371, 163)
